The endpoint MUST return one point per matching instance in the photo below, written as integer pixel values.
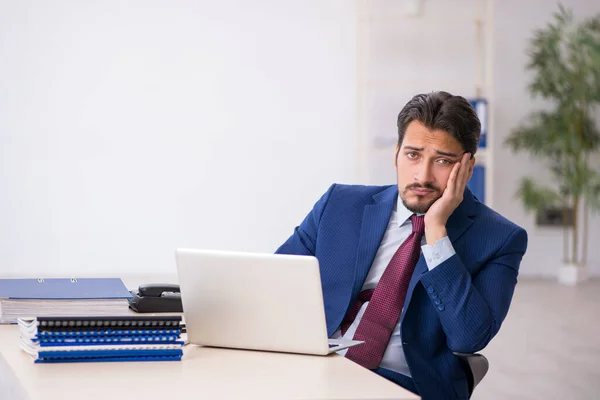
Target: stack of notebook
(93, 339)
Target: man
(420, 269)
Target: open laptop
(254, 301)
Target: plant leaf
(537, 198)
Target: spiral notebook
(102, 339)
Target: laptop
(254, 301)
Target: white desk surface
(205, 372)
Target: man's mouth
(419, 191)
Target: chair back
(478, 365)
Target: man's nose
(424, 173)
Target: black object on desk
(156, 298)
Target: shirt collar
(402, 213)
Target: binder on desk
(477, 182)
(62, 297)
(101, 339)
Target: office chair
(478, 365)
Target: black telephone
(156, 298)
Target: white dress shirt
(398, 230)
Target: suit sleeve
(304, 239)
(471, 310)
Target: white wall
(128, 129)
(512, 103)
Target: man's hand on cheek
(439, 212)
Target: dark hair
(443, 111)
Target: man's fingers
(465, 169)
(452, 179)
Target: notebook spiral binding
(122, 323)
(108, 332)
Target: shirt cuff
(438, 253)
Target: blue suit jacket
(458, 306)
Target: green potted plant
(564, 57)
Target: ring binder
(62, 296)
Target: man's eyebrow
(413, 148)
(444, 153)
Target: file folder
(64, 289)
(67, 296)
(481, 108)
(477, 182)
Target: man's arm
(472, 310)
(304, 239)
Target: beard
(420, 206)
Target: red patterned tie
(384, 308)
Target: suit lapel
(457, 224)
(374, 224)
(461, 220)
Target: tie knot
(418, 223)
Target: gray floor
(549, 345)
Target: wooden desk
(206, 373)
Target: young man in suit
(420, 269)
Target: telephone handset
(156, 298)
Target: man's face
(423, 164)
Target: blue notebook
(137, 358)
(64, 289)
(107, 332)
(113, 341)
(112, 353)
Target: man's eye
(444, 161)
(411, 155)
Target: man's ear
(396, 156)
